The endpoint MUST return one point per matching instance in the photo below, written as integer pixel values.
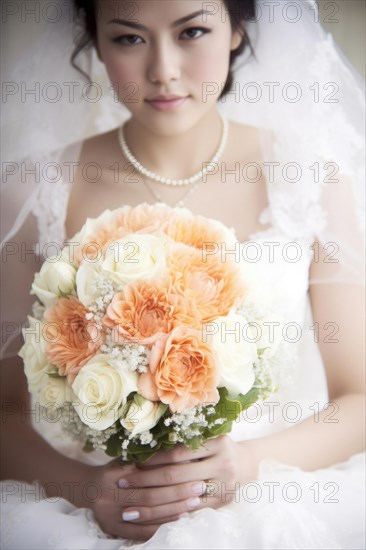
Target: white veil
(299, 89)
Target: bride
(262, 87)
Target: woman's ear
(236, 38)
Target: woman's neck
(175, 156)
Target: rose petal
(147, 388)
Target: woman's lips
(167, 105)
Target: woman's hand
(137, 499)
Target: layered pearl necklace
(210, 166)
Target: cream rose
(86, 278)
(137, 256)
(101, 388)
(33, 353)
(54, 392)
(91, 227)
(232, 342)
(142, 415)
(56, 277)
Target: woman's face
(148, 52)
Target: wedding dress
(285, 508)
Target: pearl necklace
(168, 181)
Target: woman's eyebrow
(180, 21)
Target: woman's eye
(133, 39)
(193, 30)
(127, 39)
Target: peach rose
(195, 230)
(142, 311)
(112, 226)
(71, 339)
(144, 217)
(183, 371)
(211, 286)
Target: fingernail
(193, 502)
(123, 483)
(199, 488)
(129, 516)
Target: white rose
(136, 256)
(86, 278)
(101, 388)
(92, 226)
(33, 353)
(235, 351)
(142, 415)
(54, 392)
(56, 277)
(269, 334)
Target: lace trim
(50, 210)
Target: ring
(210, 488)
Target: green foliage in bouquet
(206, 422)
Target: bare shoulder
(240, 129)
(245, 142)
(98, 155)
(97, 146)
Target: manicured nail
(130, 516)
(123, 483)
(193, 502)
(199, 488)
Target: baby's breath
(134, 357)
(98, 438)
(125, 444)
(104, 289)
(254, 309)
(72, 425)
(146, 437)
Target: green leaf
(219, 429)
(114, 445)
(88, 447)
(195, 443)
(248, 399)
(229, 407)
(138, 399)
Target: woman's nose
(164, 65)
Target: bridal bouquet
(143, 336)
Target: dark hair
(239, 12)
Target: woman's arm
(315, 442)
(312, 445)
(25, 455)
